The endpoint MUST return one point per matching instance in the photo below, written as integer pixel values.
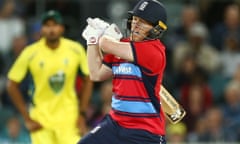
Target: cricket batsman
(136, 64)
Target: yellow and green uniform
(55, 102)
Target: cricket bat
(172, 109)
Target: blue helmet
(152, 11)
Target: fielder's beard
(53, 40)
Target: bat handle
(177, 116)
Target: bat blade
(172, 109)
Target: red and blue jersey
(136, 86)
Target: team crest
(41, 64)
(65, 62)
(56, 81)
(143, 6)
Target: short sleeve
(108, 59)
(19, 68)
(149, 54)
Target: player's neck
(53, 44)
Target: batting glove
(97, 27)
(110, 30)
(94, 30)
(91, 35)
(98, 23)
(114, 32)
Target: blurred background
(203, 62)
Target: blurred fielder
(53, 63)
(137, 65)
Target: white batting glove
(91, 35)
(113, 31)
(98, 23)
(94, 30)
(97, 27)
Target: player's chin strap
(155, 33)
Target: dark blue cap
(150, 10)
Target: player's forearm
(85, 94)
(94, 62)
(112, 46)
(17, 98)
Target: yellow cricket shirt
(54, 74)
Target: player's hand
(113, 31)
(94, 30)
(98, 23)
(106, 29)
(32, 125)
(97, 27)
(81, 124)
(91, 35)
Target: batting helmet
(152, 11)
